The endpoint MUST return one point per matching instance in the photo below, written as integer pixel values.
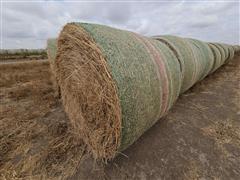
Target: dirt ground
(198, 139)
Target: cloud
(117, 13)
(207, 21)
(29, 24)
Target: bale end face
(88, 91)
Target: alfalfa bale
(205, 59)
(184, 54)
(116, 84)
(173, 67)
(51, 52)
(217, 57)
(198, 59)
(236, 48)
(231, 52)
(221, 50)
(228, 51)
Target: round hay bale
(113, 89)
(51, 53)
(206, 57)
(51, 50)
(217, 57)
(236, 48)
(185, 56)
(231, 52)
(198, 60)
(221, 50)
(173, 66)
(226, 54)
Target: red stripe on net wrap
(156, 57)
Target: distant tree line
(22, 53)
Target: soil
(198, 139)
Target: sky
(26, 24)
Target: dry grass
(14, 73)
(89, 94)
(34, 143)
